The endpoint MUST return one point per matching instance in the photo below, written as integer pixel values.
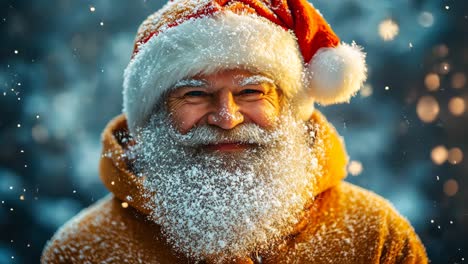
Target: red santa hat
(288, 40)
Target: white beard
(222, 206)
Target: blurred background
(61, 81)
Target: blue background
(64, 83)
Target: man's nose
(225, 113)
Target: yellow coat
(344, 223)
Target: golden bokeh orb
(458, 80)
(427, 108)
(455, 156)
(457, 106)
(451, 187)
(432, 82)
(439, 155)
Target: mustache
(210, 135)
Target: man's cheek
(267, 116)
(185, 119)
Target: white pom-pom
(334, 75)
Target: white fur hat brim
(205, 45)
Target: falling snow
(54, 107)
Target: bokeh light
(439, 154)
(427, 109)
(457, 106)
(451, 187)
(444, 68)
(83, 47)
(441, 51)
(426, 19)
(432, 81)
(458, 80)
(355, 168)
(40, 133)
(366, 90)
(388, 29)
(455, 156)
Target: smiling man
(225, 99)
(220, 157)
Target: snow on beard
(226, 205)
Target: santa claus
(220, 157)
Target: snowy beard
(226, 205)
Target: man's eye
(195, 93)
(251, 91)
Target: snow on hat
(289, 41)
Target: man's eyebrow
(254, 80)
(190, 83)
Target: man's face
(225, 100)
(233, 171)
